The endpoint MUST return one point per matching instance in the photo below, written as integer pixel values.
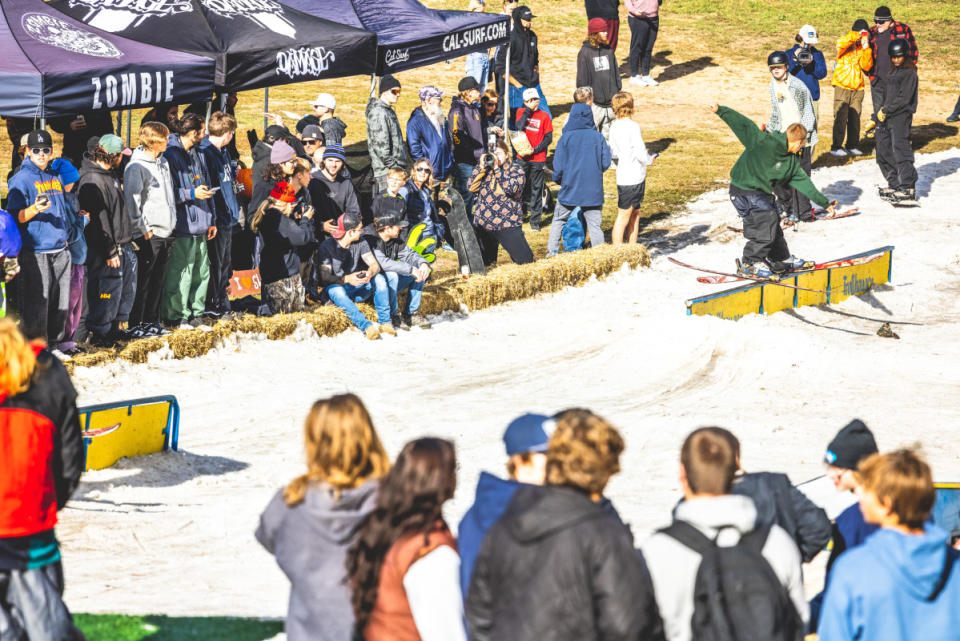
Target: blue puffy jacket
(47, 231)
(10, 242)
(493, 497)
(188, 170)
(426, 142)
(581, 157)
(812, 74)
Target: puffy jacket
(420, 205)
(188, 170)
(897, 93)
(853, 63)
(310, 541)
(222, 173)
(581, 157)
(810, 74)
(384, 138)
(426, 141)
(467, 126)
(597, 69)
(499, 197)
(42, 453)
(10, 241)
(801, 95)
(282, 235)
(99, 194)
(557, 566)
(148, 193)
(47, 231)
(894, 587)
(524, 54)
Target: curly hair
(584, 451)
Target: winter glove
(881, 116)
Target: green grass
(119, 627)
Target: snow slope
(173, 533)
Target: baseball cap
(334, 151)
(312, 132)
(347, 221)
(528, 433)
(808, 34)
(467, 83)
(283, 192)
(325, 100)
(530, 93)
(39, 138)
(274, 132)
(524, 13)
(389, 218)
(430, 91)
(113, 144)
(281, 152)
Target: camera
(488, 161)
(805, 56)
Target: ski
(786, 223)
(768, 281)
(716, 280)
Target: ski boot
(795, 264)
(755, 270)
(886, 193)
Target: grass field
(117, 627)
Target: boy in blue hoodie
(526, 441)
(36, 201)
(77, 245)
(903, 583)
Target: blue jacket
(426, 142)
(420, 207)
(889, 589)
(47, 231)
(812, 74)
(188, 170)
(10, 242)
(581, 157)
(222, 173)
(493, 496)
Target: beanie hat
(861, 25)
(283, 192)
(387, 83)
(334, 150)
(596, 25)
(882, 13)
(467, 83)
(851, 445)
(281, 152)
(68, 173)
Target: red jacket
(897, 30)
(41, 450)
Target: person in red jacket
(41, 459)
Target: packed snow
(173, 533)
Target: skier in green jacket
(770, 160)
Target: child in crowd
(626, 143)
(538, 128)
(402, 267)
(391, 201)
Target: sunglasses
(41, 150)
(395, 92)
(881, 20)
(308, 141)
(423, 170)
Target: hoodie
(898, 90)
(99, 194)
(467, 126)
(524, 54)
(895, 587)
(427, 141)
(47, 231)
(393, 255)
(725, 519)
(332, 197)
(282, 236)
(222, 174)
(310, 541)
(188, 169)
(384, 138)
(597, 69)
(492, 498)
(581, 157)
(148, 193)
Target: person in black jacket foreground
(895, 109)
(559, 564)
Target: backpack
(737, 596)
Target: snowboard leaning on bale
(464, 238)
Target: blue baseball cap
(528, 433)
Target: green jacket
(766, 163)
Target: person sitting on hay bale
(402, 267)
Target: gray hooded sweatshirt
(310, 541)
(148, 194)
(673, 566)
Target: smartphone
(214, 189)
(361, 274)
(81, 118)
(42, 199)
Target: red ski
(716, 280)
(758, 279)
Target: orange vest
(392, 619)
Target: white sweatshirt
(433, 592)
(626, 142)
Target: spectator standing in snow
(710, 512)
(384, 136)
(904, 581)
(77, 245)
(560, 558)
(609, 12)
(626, 145)
(644, 21)
(538, 127)
(525, 440)
(309, 524)
(428, 133)
(854, 60)
(597, 69)
(477, 65)
(524, 60)
(897, 93)
(403, 566)
(581, 157)
(808, 64)
(498, 214)
(403, 268)
(42, 459)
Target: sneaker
(197, 321)
(399, 322)
(755, 270)
(853, 151)
(954, 117)
(637, 81)
(649, 81)
(839, 153)
(231, 316)
(61, 356)
(157, 329)
(797, 264)
(418, 321)
(886, 193)
(372, 332)
(388, 329)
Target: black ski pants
(761, 227)
(894, 152)
(152, 257)
(44, 295)
(110, 290)
(792, 201)
(220, 249)
(643, 35)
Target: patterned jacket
(384, 138)
(897, 30)
(804, 102)
(499, 195)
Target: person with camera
(854, 60)
(808, 64)
(497, 212)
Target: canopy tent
(411, 35)
(52, 65)
(256, 43)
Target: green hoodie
(766, 163)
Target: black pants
(111, 291)
(894, 152)
(533, 189)
(761, 227)
(512, 240)
(792, 201)
(152, 257)
(643, 35)
(44, 294)
(221, 268)
(956, 108)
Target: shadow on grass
(660, 145)
(677, 71)
(925, 134)
(116, 627)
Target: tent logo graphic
(53, 31)
(396, 56)
(304, 61)
(266, 14)
(119, 15)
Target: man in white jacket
(707, 468)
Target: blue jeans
(346, 296)
(516, 101)
(461, 182)
(478, 66)
(396, 283)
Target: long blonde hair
(285, 208)
(17, 358)
(343, 449)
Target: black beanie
(851, 445)
(387, 83)
(883, 12)
(861, 25)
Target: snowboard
(758, 279)
(714, 280)
(464, 238)
(905, 204)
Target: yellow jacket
(852, 62)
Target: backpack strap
(689, 536)
(756, 539)
(944, 576)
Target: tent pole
(119, 122)
(223, 101)
(206, 123)
(266, 106)
(506, 91)
(129, 125)
(373, 85)
(43, 123)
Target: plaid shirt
(897, 30)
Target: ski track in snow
(173, 533)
